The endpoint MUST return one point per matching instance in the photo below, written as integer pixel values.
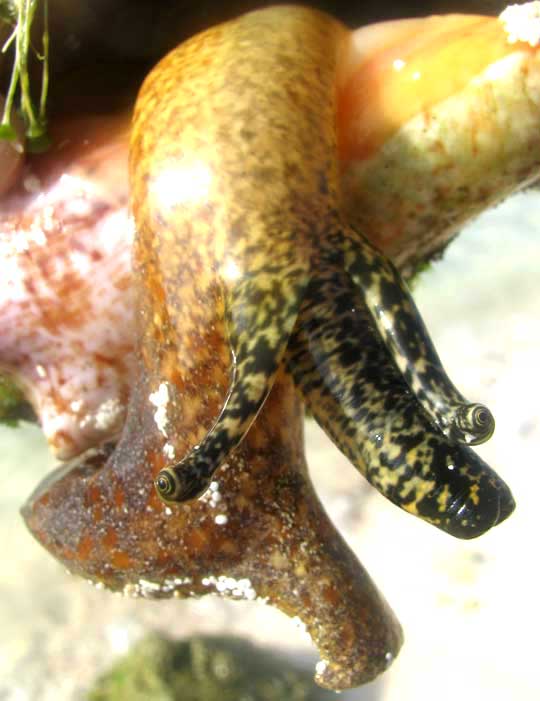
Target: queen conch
(267, 156)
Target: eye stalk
(180, 483)
(476, 422)
(165, 485)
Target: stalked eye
(182, 482)
(398, 322)
(481, 416)
(477, 420)
(359, 397)
(164, 484)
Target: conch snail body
(387, 150)
(258, 226)
(242, 256)
(357, 396)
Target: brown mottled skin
(108, 524)
(101, 515)
(235, 197)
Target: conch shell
(252, 277)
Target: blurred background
(109, 45)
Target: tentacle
(400, 325)
(240, 185)
(356, 394)
(261, 311)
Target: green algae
(13, 406)
(204, 669)
(19, 17)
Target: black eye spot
(481, 416)
(164, 484)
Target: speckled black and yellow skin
(402, 329)
(248, 170)
(349, 382)
(254, 224)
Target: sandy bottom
(469, 609)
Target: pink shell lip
(66, 300)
